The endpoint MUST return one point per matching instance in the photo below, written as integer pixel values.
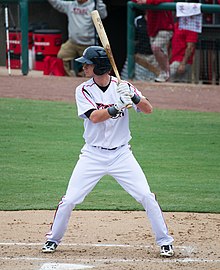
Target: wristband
(136, 99)
(112, 111)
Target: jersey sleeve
(101, 7)
(62, 6)
(84, 101)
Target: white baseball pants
(92, 165)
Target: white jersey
(111, 133)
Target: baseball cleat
(166, 251)
(49, 247)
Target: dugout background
(43, 13)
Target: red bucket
(15, 47)
(47, 42)
(15, 40)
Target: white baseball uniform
(106, 152)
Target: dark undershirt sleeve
(88, 113)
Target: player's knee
(142, 196)
(67, 202)
(60, 54)
(74, 199)
(147, 199)
(155, 49)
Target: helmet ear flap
(102, 65)
(97, 71)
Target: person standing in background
(182, 52)
(143, 52)
(160, 30)
(142, 40)
(146, 67)
(81, 32)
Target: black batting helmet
(97, 56)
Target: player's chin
(88, 74)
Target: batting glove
(125, 89)
(123, 101)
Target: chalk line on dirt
(187, 250)
(89, 245)
(64, 266)
(169, 260)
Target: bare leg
(161, 58)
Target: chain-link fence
(205, 51)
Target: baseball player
(102, 104)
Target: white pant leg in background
(130, 176)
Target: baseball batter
(102, 103)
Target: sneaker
(49, 247)
(166, 251)
(163, 77)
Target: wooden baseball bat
(105, 43)
(104, 40)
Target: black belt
(103, 148)
(108, 148)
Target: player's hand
(123, 101)
(181, 68)
(124, 89)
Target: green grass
(41, 141)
